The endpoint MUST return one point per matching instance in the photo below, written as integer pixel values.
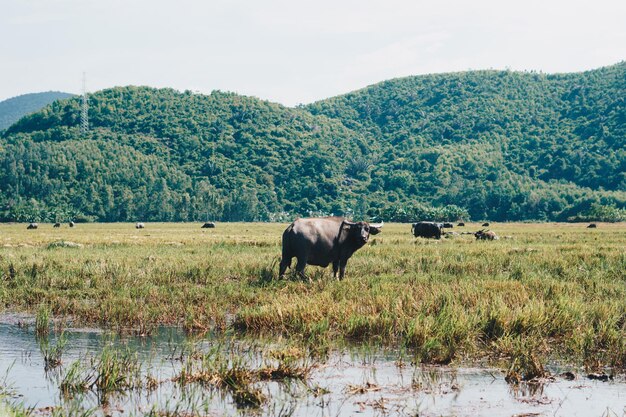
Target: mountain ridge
(14, 108)
(498, 145)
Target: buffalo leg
(342, 270)
(284, 264)
(335, 268)
(300, 267)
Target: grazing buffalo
(32, 226)
(592, 226)
(71, 224)
(461, 224)
(427, 229)
(485, 224)
(208, 225)
(139, 226)
(486, 235)
(448, 225)
(322, 241)
(57, 224)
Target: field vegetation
(543, 291)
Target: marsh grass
(227, 374)
(52, 354)
(115, 371)
(76, 380)
(240, 370)
(42, 321)
(525, 363)
(15, 410)
(561, 287)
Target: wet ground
(350, 381)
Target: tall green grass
(560, 288)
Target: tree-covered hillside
(506, 145)
(247, 157)
(13, 109)
(487, 144)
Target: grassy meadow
(543, 291)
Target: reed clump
(525, 364)
(42, 321)
(76, 380)
(52, 354)
(239, 371)
(115, 371)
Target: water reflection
(170, 374)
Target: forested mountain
(506, 145)
(247, 157)
(13, 109)
(495, 145)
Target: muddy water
(346, 382)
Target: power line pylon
(84, 119)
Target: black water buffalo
(448, 225)
(592, 226)
(324, 240)
(208, 225)
(139, 225)
(57, 224)
(32, 226)
(71, 224)
(485, 224)
(486, 235)
(461, 224)
(427, 229)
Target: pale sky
(290, 51)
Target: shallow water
(347, 382)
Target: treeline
(598, 212)
(493, 145)
(413, 212)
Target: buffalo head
(361, 231)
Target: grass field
(545, 291)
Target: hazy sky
(292, 51)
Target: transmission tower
(84, 120)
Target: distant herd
(323, 241)
(435, 230)
(56, 225)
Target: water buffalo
(427, 229)
(32, 226)
(592, 226)
(485, 224)
(324, 240)
(448, 225)
(71, 224)
(461, 224)
(208, 225)
(486, 235)
(139, 226)
(57, 224)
